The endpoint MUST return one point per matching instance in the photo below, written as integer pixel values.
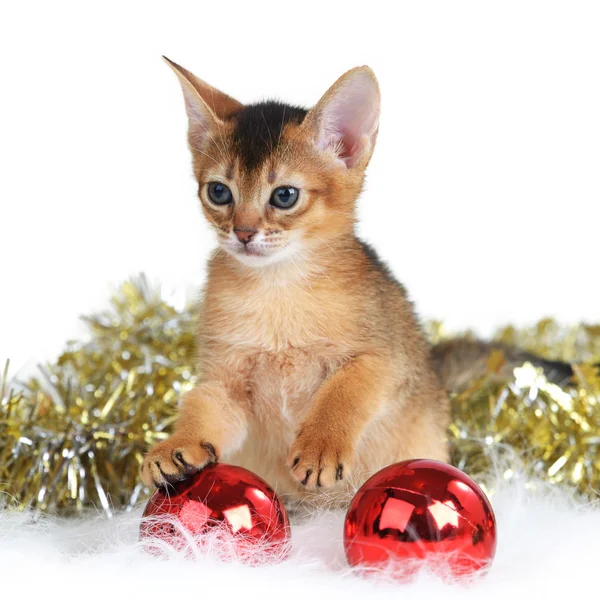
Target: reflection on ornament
(417, 513)
(224, 509)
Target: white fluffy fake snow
(548, 547)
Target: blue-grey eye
(219, 193)
(284, 196)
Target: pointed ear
(346, 118)
(206, 106)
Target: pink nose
(245, 235)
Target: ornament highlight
(416, 513)
(223, 509)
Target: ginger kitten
(312, 369)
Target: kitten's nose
(245, 235)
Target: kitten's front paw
(319, 459)
(175, 459)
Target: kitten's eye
(284, 197)
(219, 193)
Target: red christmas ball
(420, 512)
(228, 510)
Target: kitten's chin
(258, 259)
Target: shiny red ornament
(420, 512)
(227, 510)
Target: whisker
(210, 135)
(282, 124)
(262, 114)
(320, 269)
(327, 243)
(207, 155)
(219, 123)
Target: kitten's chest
(282, 343)
(281, 360)
(276, 321)
(280, 385)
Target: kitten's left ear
(220, 104)
(206, 106)
(346, 118)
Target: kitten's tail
(460, 360)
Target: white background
(482, 195)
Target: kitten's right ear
(206, 106)
(346, 119)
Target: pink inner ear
(201, 118)
(350, 118)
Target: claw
(168, 478)
(319, 484)
(308, 474)
(184, 466)
(210, 449)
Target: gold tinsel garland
(73, 437)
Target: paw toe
(170, 462)
(318, 473)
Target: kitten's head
(277, 180)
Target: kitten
(313, 371)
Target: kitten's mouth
(254, 251)
(258, 254)
(259, 249)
